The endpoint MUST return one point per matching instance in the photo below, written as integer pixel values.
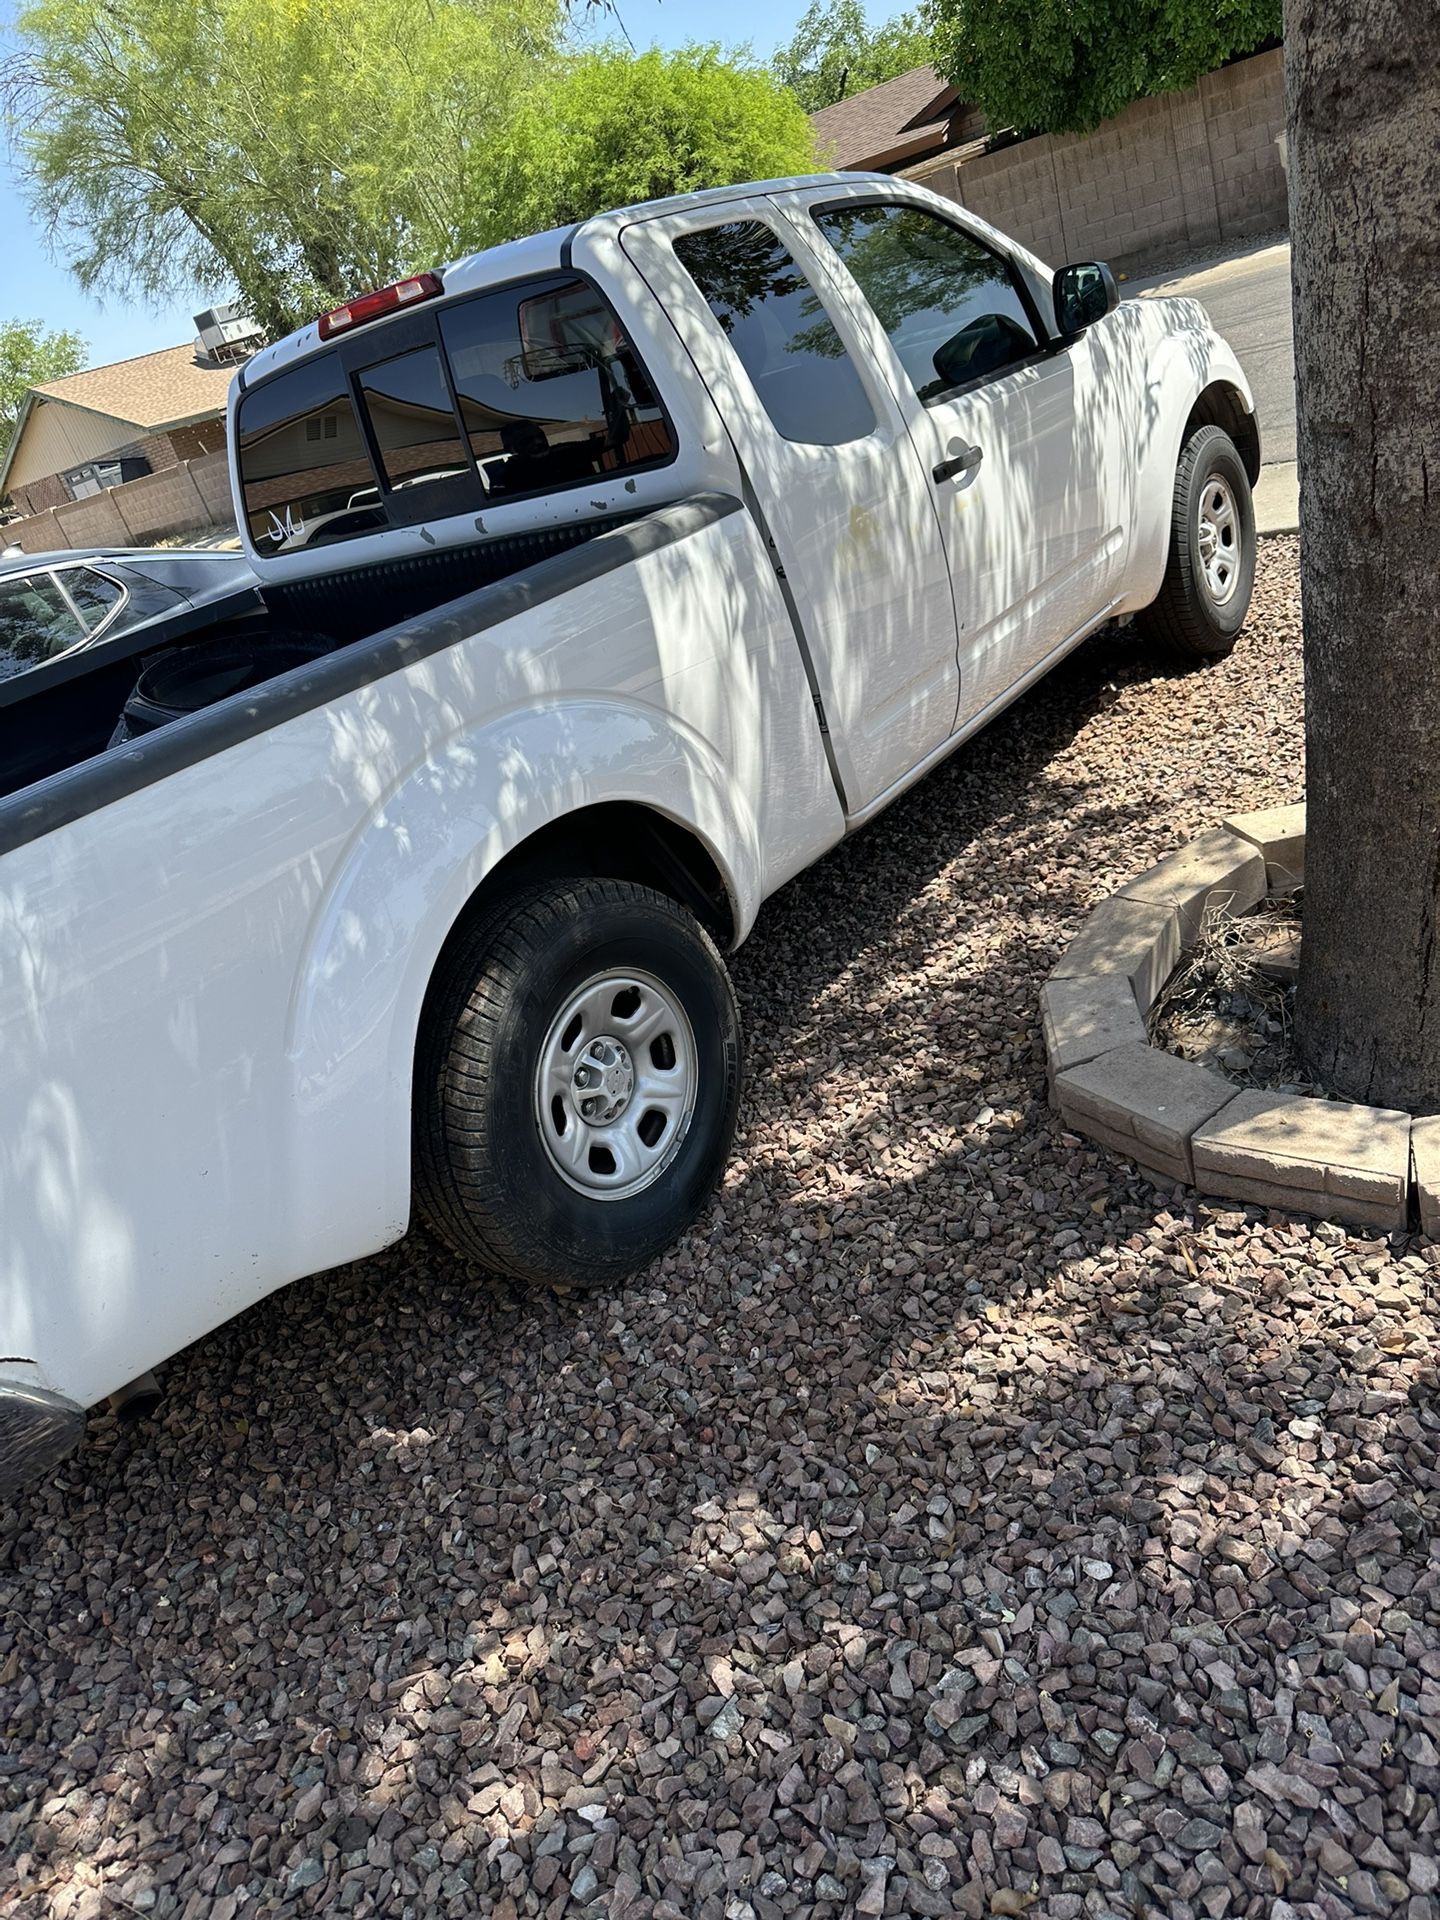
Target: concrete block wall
(211, 475)
(160, 504)
(1183, 169)
(188, 496)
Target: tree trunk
(1363, 100)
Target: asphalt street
(1247, 295)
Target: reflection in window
(412, 419)
(781, 333)
(36, 624)
(93, 594)
(304, 488)
(949, 305)
(551, 392)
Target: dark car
(55, 603)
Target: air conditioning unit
(226, 334)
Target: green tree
(834, 52)
(1063, 66)
(31, 354)
(293, 151)
(615, 127)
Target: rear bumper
(37, 1430)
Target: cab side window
(780, 331)
(952, 309)
(551, 392)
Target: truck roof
(538, 253)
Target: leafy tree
(1063, 66)
(834, 52)
(616, 127)
(30, 355)
(1363, 83)
(294, 151)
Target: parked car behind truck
(627, 569)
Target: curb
(1277, 499)
(1187, 1125)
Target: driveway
(1247, 295)
(952, 1523)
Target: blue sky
(34, 287)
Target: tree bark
(1363, 109)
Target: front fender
(423, 850)
(1188, 357)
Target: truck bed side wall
(210, 987)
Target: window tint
(94, 595)
(35, 624)
(551, 393)
(412, 419)
(950, 306)
(305, 475)
(781, 333)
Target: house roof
(154, 391)
(910, 113)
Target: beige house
(93, 430)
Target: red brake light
(370, 306)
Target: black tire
(1187, 617)
(484, 1175)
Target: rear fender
(423, 853)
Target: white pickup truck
(607, 579)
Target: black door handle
(964, 462)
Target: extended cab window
(551, 392)
(781, 333)
(305, 475)
(951, 307)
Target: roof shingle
(897, 113)
(153, 391)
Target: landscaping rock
(931, 1375)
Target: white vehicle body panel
(208, 1004)
(211, 979)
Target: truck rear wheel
(577, 1082)
(1210, 568)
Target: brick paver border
(1187, 1125)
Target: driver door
(994, 406)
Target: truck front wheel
(577, 1082)
(1210, 568)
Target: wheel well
(617, 840)
(1222, 405)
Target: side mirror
(1084, 293)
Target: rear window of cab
(524, 390)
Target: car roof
(138, 557)
(547, 252)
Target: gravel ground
(953, 1523)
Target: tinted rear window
(548, 394)
(780, 331)
(551, 391)
(412, 419)
(306, 477)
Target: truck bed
(62, 715)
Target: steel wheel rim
(615, 1084)
(1220, 539)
